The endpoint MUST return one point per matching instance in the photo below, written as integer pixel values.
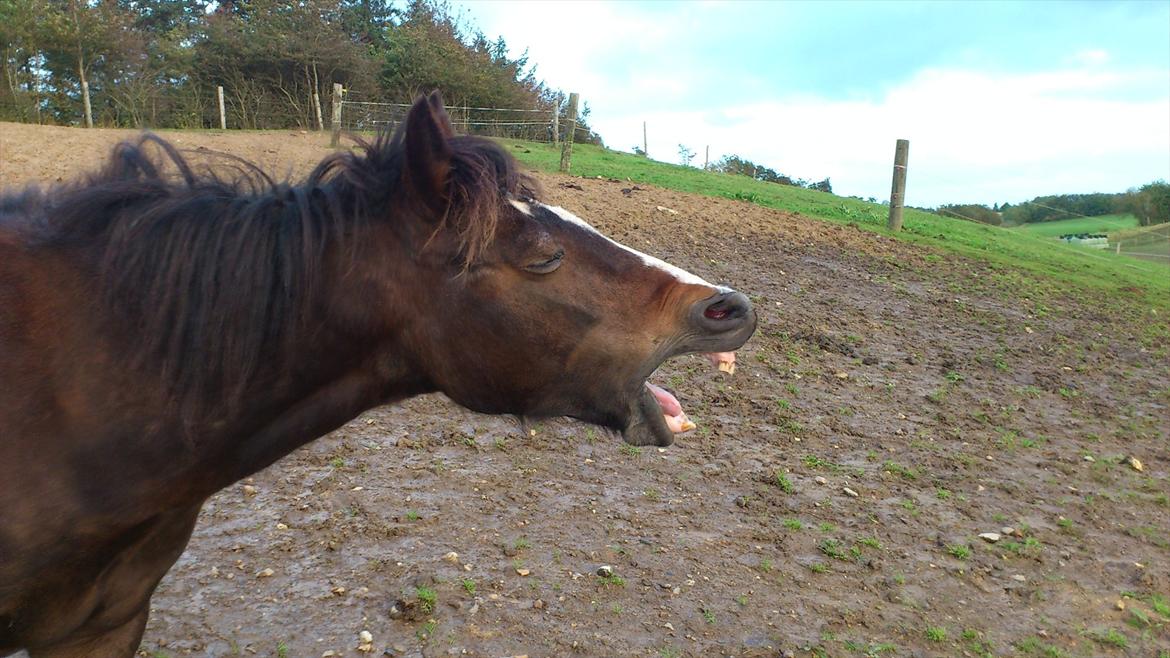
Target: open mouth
(658, 415)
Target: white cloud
(974, 137)
(1091, 57)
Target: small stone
(788, 653)
(842, 375)
(820, 480)
(249, 490)
(668, 626)
(523, 572)
(538, 604)
(338, 591)
(1136, 464)
(989, 536)
(850, 492)
(1120, 605)
(605, 571)
(365, 642)
(1020, 578)
(742, 501)
(1007, 530)
(329, 654)
(266, 573)
(281, 526)
(1089, 458)
(452, 557)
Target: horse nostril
(724, 308)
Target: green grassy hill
(1056, 268)
(1104, 224)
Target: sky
(1001, 101)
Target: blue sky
(1001, 101)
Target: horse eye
(548, 266)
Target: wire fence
(364, 115)
(1148, 243)
(253, 107)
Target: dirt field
(894, 404)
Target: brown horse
(163, 335)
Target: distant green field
(1105, 224)
(1060, 266)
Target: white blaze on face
(521, 206)
(678, 273)
(673, 414)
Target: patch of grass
(1102, 224)
(412, 515)
(632, 451)
(282, 649)
(942, 494)
(832, 548)
(1160, 605)
(611, 580)
(936, 633)
(793, 524)
(1035, 647)
(427, 598)
(1110, 637)
(337, 462)
(825, 526)
(961, 551)
(871, 542)
(522, 544)
(468, 586)
(819, 567)
(708, 615)
(766, 565)
(784, 482)
(905, 472)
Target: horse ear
(428, 152)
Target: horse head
(513, 306)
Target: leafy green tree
(1151, 203)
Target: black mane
(215, 271)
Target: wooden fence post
(707, 157)
(570, 133)
(222, 115)
(898, 191)
(336, 120)
(645, 145)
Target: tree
(1151, 203)
(971, 211)
(685, 155)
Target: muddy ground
(895, 403)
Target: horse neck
(326, 377)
